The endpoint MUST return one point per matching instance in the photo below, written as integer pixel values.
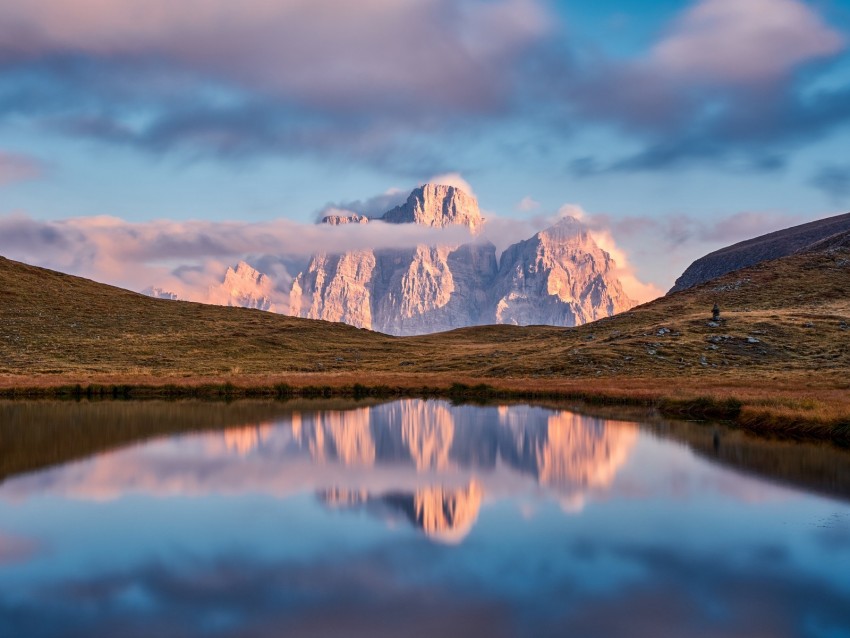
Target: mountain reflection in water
(412, 518)
(429, 461)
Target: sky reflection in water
(421, 518)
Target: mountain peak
(244, 269)
(564, 229)
(437, 205)
(243, 286)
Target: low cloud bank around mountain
(188, 257)
(258, 264)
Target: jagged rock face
(558, 277)
(766, 247)
(437, 205)
(244, 286)
(428, 433)
(336, 288)
(339, 220)
(404, 292)
(431, 289)
(400, 292)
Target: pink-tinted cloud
(187, 257)
(662, 247)
(744, 41)
(723, 86)
(18, 168)
(527, 204)
(331, 54)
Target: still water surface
(412, 518)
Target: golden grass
(782, 351)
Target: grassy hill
(783, 347)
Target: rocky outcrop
(559, 276)
(438, 206)
(245, 287)
(336, 288)
(766, 247)
(339, 220)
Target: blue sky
(677, 126)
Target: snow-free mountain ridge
(560, 276)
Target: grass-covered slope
(786, 315)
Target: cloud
(370, 207)
(675, 231)
(329, 54)
(834, 180)
(267, 76)
(527, 204)
(408, 86)
(370, 592)
(744, 41)
(18, 168)
(190, 258)
(187, 257)
(652, 251)
(731, 83)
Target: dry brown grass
(57, 330)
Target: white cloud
(527, 204)
(744, 41)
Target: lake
(412, 518)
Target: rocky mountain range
(557, 277)
(774, 245)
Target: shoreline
(795, 411)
